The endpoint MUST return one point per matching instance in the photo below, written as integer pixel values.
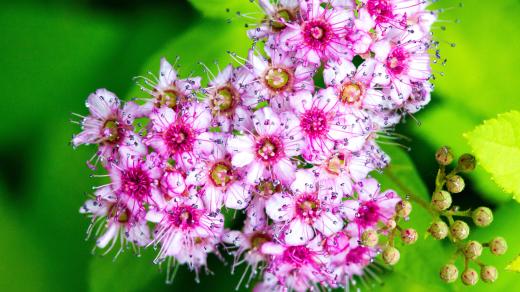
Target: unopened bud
(467, 162)
(369, 238)
(441, 200)
(482, 216)
(391, 224)
(459, 230)
(455, 184)
(498, 246)
(409, 236)
(469, 277)
(403, 209)
(472, 250)
(488, 274)
(449, 273)
(444, 155)
(439, 229)
(391, 255)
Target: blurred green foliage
(54, 53)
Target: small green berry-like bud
(409, 236)
(444, 155)
(369, 238)
(403, 209)
(482, 216)
(455, 184)
(469, 277)
(472, 249)
(441, 200)
(439, 229)
(459, 230)
(488, 274)
(391, 224)
(467, 162)
(498, 246)
(449, 273)
(391, 255)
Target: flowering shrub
(289, 138)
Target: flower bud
(469, 277)
(369, 238)
(482, 216)
(444, 155)
(455, 184)
(467, 162)
(441, 200)
(498, 246)
(391, 255)
(459, 230)
(409, 236)
(403, 209)
(439, 229)
(472, 249)
(488, 274)
(391, 224)
(449, 273)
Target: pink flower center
(368, 214)
(278, 79)
(382, 10)
(112, 131)
(397, 61)
(135, 182)
(351, 93)
(179, 138)
(317, 33)
(267, 188)
(184, 217)
(299, 255)
(336, 163)
(168, 98)
(269, 149)
(315, 123)
(308, 207)
(121, 214)
(358, 255)
(282, 16)
(224, 100)
(259, 238)
(221, 174)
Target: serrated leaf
(514, 266)
(496, 144)
(223, 8)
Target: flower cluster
(288, 136)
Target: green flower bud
(391, 255)
(369, 238)
(467, 163)
(439, 229)
(459, 230)
(444, 155)
(498, 246)
(488, 274)
(403, 209)
(455, 184)
(409, 236)
(449, 273)
(482, 216)
(469, 277)
(441, 200)
(391, 224)
(472, 250)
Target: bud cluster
(458, 230)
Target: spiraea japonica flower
(286, 138)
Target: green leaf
(416, 267)
(514, 266)
(126, 273)
(223, 8)
(496, 144)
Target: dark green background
(54, 53)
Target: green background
(54, 53)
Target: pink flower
(168, 90)
(309, 208)
(370, 206)
(180, 135)
(327, 129)
(268, 150)
(319, 35)
(277, 14)
(109, 126)
(186, 231)
(219, 182)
